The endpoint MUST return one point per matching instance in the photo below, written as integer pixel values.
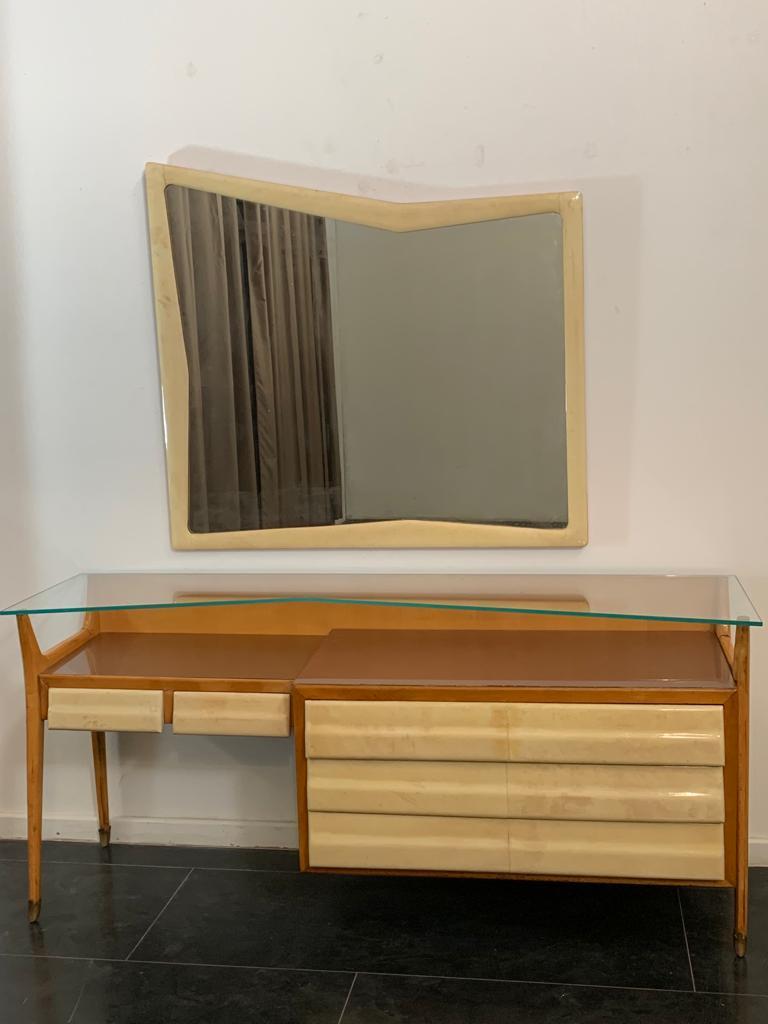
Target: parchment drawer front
(529, 847)
(616, 733)
(232, 714)
(477, 790)
(555, 733)
(487, 790)
(388, 841)
(406, 730)
(616, 848)
(105, 710)
(608, 792)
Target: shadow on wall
(613, 208)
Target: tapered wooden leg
(35, 738)
(99, 744)
(36, 662)
(741, 898)
(741, 675)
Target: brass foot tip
(104, 836)
(33, 910)
(740, 944)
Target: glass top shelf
(707, 599)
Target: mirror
(342, 377)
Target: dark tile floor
(156, 935)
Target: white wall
(654, 111)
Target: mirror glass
(345, 374)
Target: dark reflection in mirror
(255, 308)
(340, 373)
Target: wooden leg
(35, 740)
(741, 675)
(740, 944)
(98, 742)
(741, 897)
(36, 662)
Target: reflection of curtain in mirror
(255, 307)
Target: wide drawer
(484, 731)
(493, 790)
(105, 710)
(580, 848)
(232, 714)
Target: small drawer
(105, 710)
(231, 714)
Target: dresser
(578, 728)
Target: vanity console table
(581, 728)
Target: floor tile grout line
(377, 974)
(527, 981)
(177, 963)
(346, 1001)
(162, 911)
(685, 939)
(79, 999)
(386, 974)
(245, 967)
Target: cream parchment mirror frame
(389, 216)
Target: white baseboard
(208, 832)
(163, 831)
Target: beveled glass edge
(16, 610)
